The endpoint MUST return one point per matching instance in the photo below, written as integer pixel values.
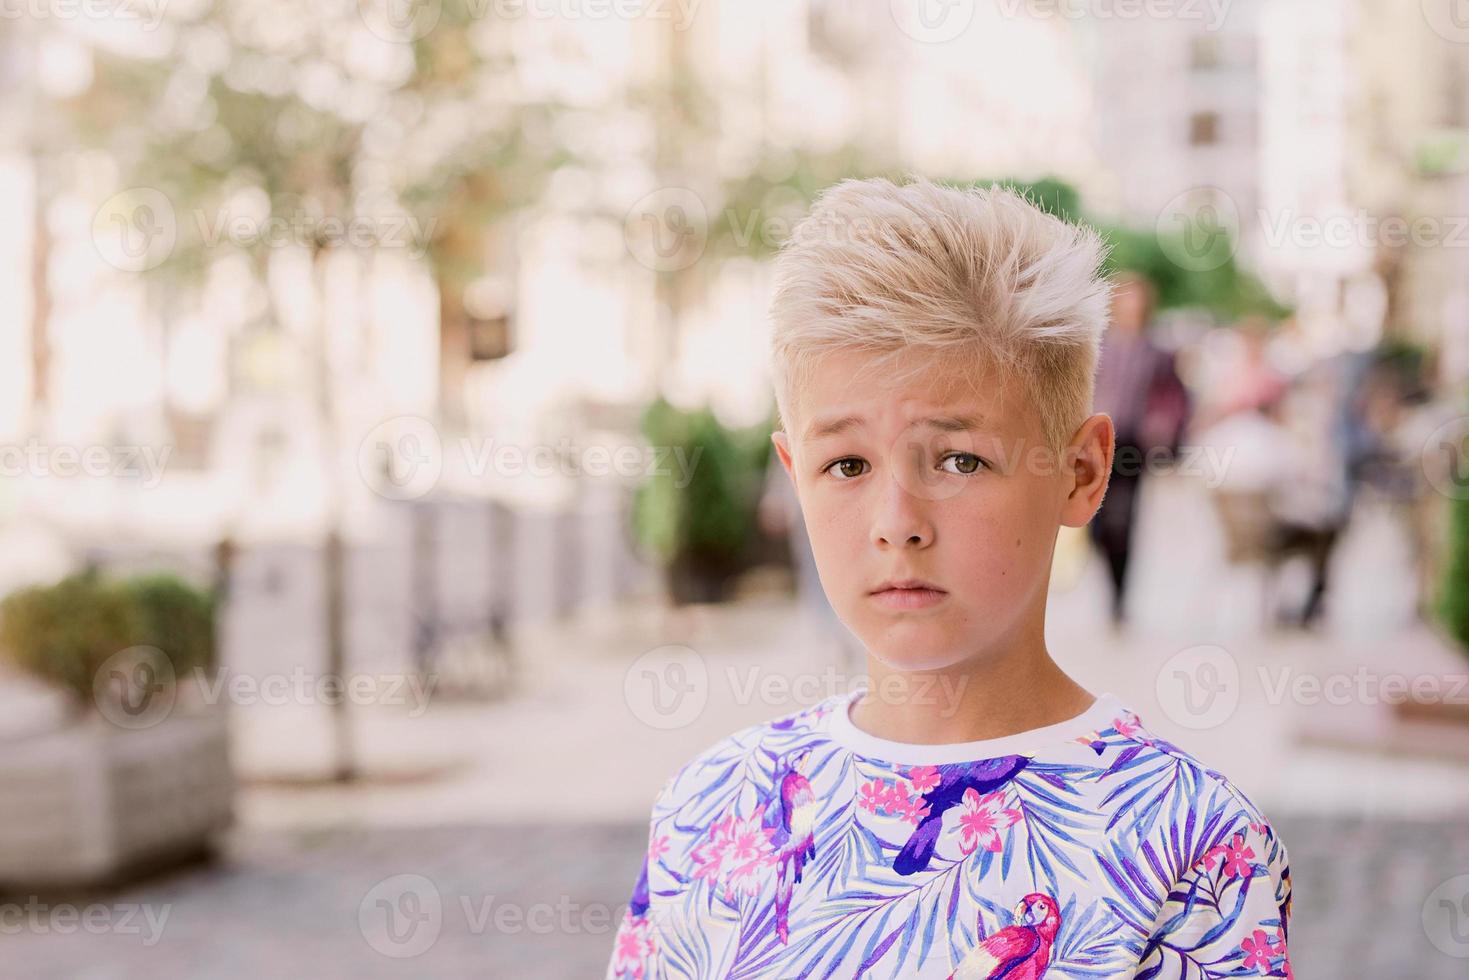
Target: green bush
(64, 632)
(708, 521)
(176, 618)
(1453, 604)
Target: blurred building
(1305, 125)
(1299, 113)
(1178, 107)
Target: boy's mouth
(909, 593)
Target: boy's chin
(910, 658)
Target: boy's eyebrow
(821, 429)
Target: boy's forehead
(903, 374)
(838, 400)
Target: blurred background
(387, 506)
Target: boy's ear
(1088, 467)
(782, 448)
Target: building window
(1206, 52)
(1203, 129)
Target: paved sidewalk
(303, 904)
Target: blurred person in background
(1248, 384)
(1404, 451)
(1286, 491)
(1139, 387)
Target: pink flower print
(747, 843)
(1130, 726)
(872, 795)
(923, 778)
(1257, 949)
(634, 946)
(983, 819)
(733, 851)
(709, 854)
(1236, 857)
(1279, 940)
(1260, 828)
(897, 797)
(912, 809)
(657, 848)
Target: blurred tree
(314, 128)
(413, 136)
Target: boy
(972, 812)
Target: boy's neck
(984, 698)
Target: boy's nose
(901, 519)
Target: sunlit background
(386, 498)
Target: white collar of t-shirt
(1103, 711)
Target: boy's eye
(971, 463)
(841, 463)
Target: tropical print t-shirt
(806, 847)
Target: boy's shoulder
(723, 757)
(1149, 767)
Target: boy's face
(973, 511)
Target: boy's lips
(909, 598)
(906, 583)
(908, 593)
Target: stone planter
(91, 803)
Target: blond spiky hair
(979, 278)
